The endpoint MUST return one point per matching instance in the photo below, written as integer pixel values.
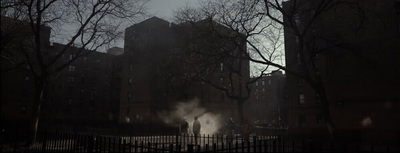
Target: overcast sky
(165, 8)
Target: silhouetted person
(246, 130)
(184, 126)
(196, 129)
(231, 129)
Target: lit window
(256, 83)
(222, 66)
(302, 98)
(296, 18)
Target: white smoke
(210, 122)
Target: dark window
(300, 82)
(302, 121)
(22, 110)
(320, 120)
(317, 97)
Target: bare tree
(259, 24)
(88, 25)
(222, 31)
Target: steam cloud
(210, 122)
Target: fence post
(255, 143)
(190, 148)
(311, 145)
(214, 147)
(124, 146)
(90, 143)
(44, 141)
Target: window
(263, 83)
(22, 110)
(300, 82)
(263, 89)
(71, 57)
(317, 97)
(70, 101)
(256, 83)
(130, 81)
(129, 96)
(26, 78)
(320, 120)
(269, 82)
(131, 67)
(222, 67)
(298, 58)
(84, 59)
(222, 80)
(302, 98)
(296, 19)
(70, 79)
(82, 79)
(302, 121)
(71, 68)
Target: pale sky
(164, 8)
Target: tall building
(86, 92)
(159, 70)
(153, 72)
(355, 46)
(17, 81)
(266, 105)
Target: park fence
(79, 142)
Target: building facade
(160, 70)
(354, 49)
(153, 73)
(266, 105)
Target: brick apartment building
(359, 66)
(128, 85)
(266, 105)
(86, 91)
(159, 71)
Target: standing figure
(184, 126)
(196, 129)
(246, 130)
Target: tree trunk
(240, 111)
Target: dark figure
(184, 127)
(246, 130)
(196, 129)
(231, 129)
